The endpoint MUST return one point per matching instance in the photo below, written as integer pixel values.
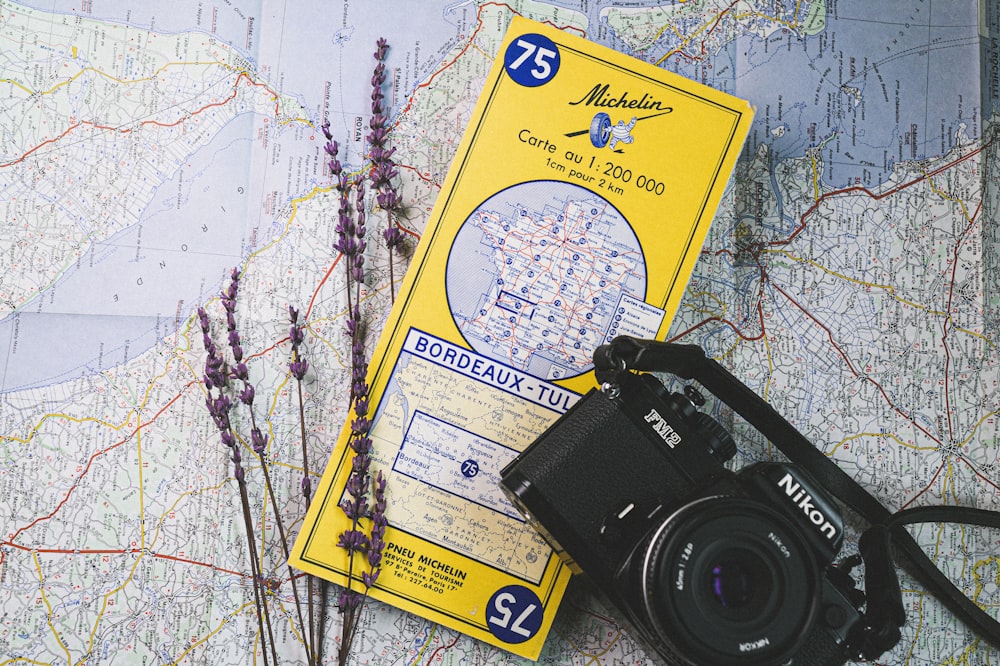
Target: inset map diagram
(536, 276)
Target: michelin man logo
(604, 133)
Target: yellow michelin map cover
(573, 212)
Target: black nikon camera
(706, 565)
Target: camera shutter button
(694, 395)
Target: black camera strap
(884, 612)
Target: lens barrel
(728, 580)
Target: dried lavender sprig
(259, 445)
(298, 366)
(351, 244)
(383, 172)
(219, 407)
(346, 243)
(356, 507)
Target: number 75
(543, 58)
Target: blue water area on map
(878, 85)
(135, 288)
(227, 22)
(337, 44)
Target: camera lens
(729, 580)
(738, 581)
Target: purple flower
(258, 441)
(348, 600)
(299, 369)
(354, 541)
(206, 325)
(383, 172)
(298, 366)
(376, 542)
(295, 333)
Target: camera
(703, 564)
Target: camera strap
(884, 613)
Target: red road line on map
(701, 42)
(975, 471)
(76, 482)
(40, 146)
(69, 493)
(127, 129)
(326, 276)
(925, 488)
(434, 654)
(471, 38)
(122, 551)
(850, 366)
(715, 25)
(872, 195)
(944, 326)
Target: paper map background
(147, 148)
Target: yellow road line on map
(423, 647)
(84, 70)
(721, 314)
(45, 599)
(891, 289)
(919, 623)
(105, 603)
(978, 425)
(589, 658)
(944, 195)
(815, 177)
(180, 498)
(59, 415)
(887, 435)
(207, 636)
(291, 219)
(142, 494)
(708, 23)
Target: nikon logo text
(804, 501)
(662, 428)
(753, 646)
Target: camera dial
(718, 440)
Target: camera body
(705, 565)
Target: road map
(568, 262)
(146, 149)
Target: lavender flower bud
(355, 508)
(258, 441)
(299, 368)
(348, 600)
(241, 372)
(203, 320)
(353, 541)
